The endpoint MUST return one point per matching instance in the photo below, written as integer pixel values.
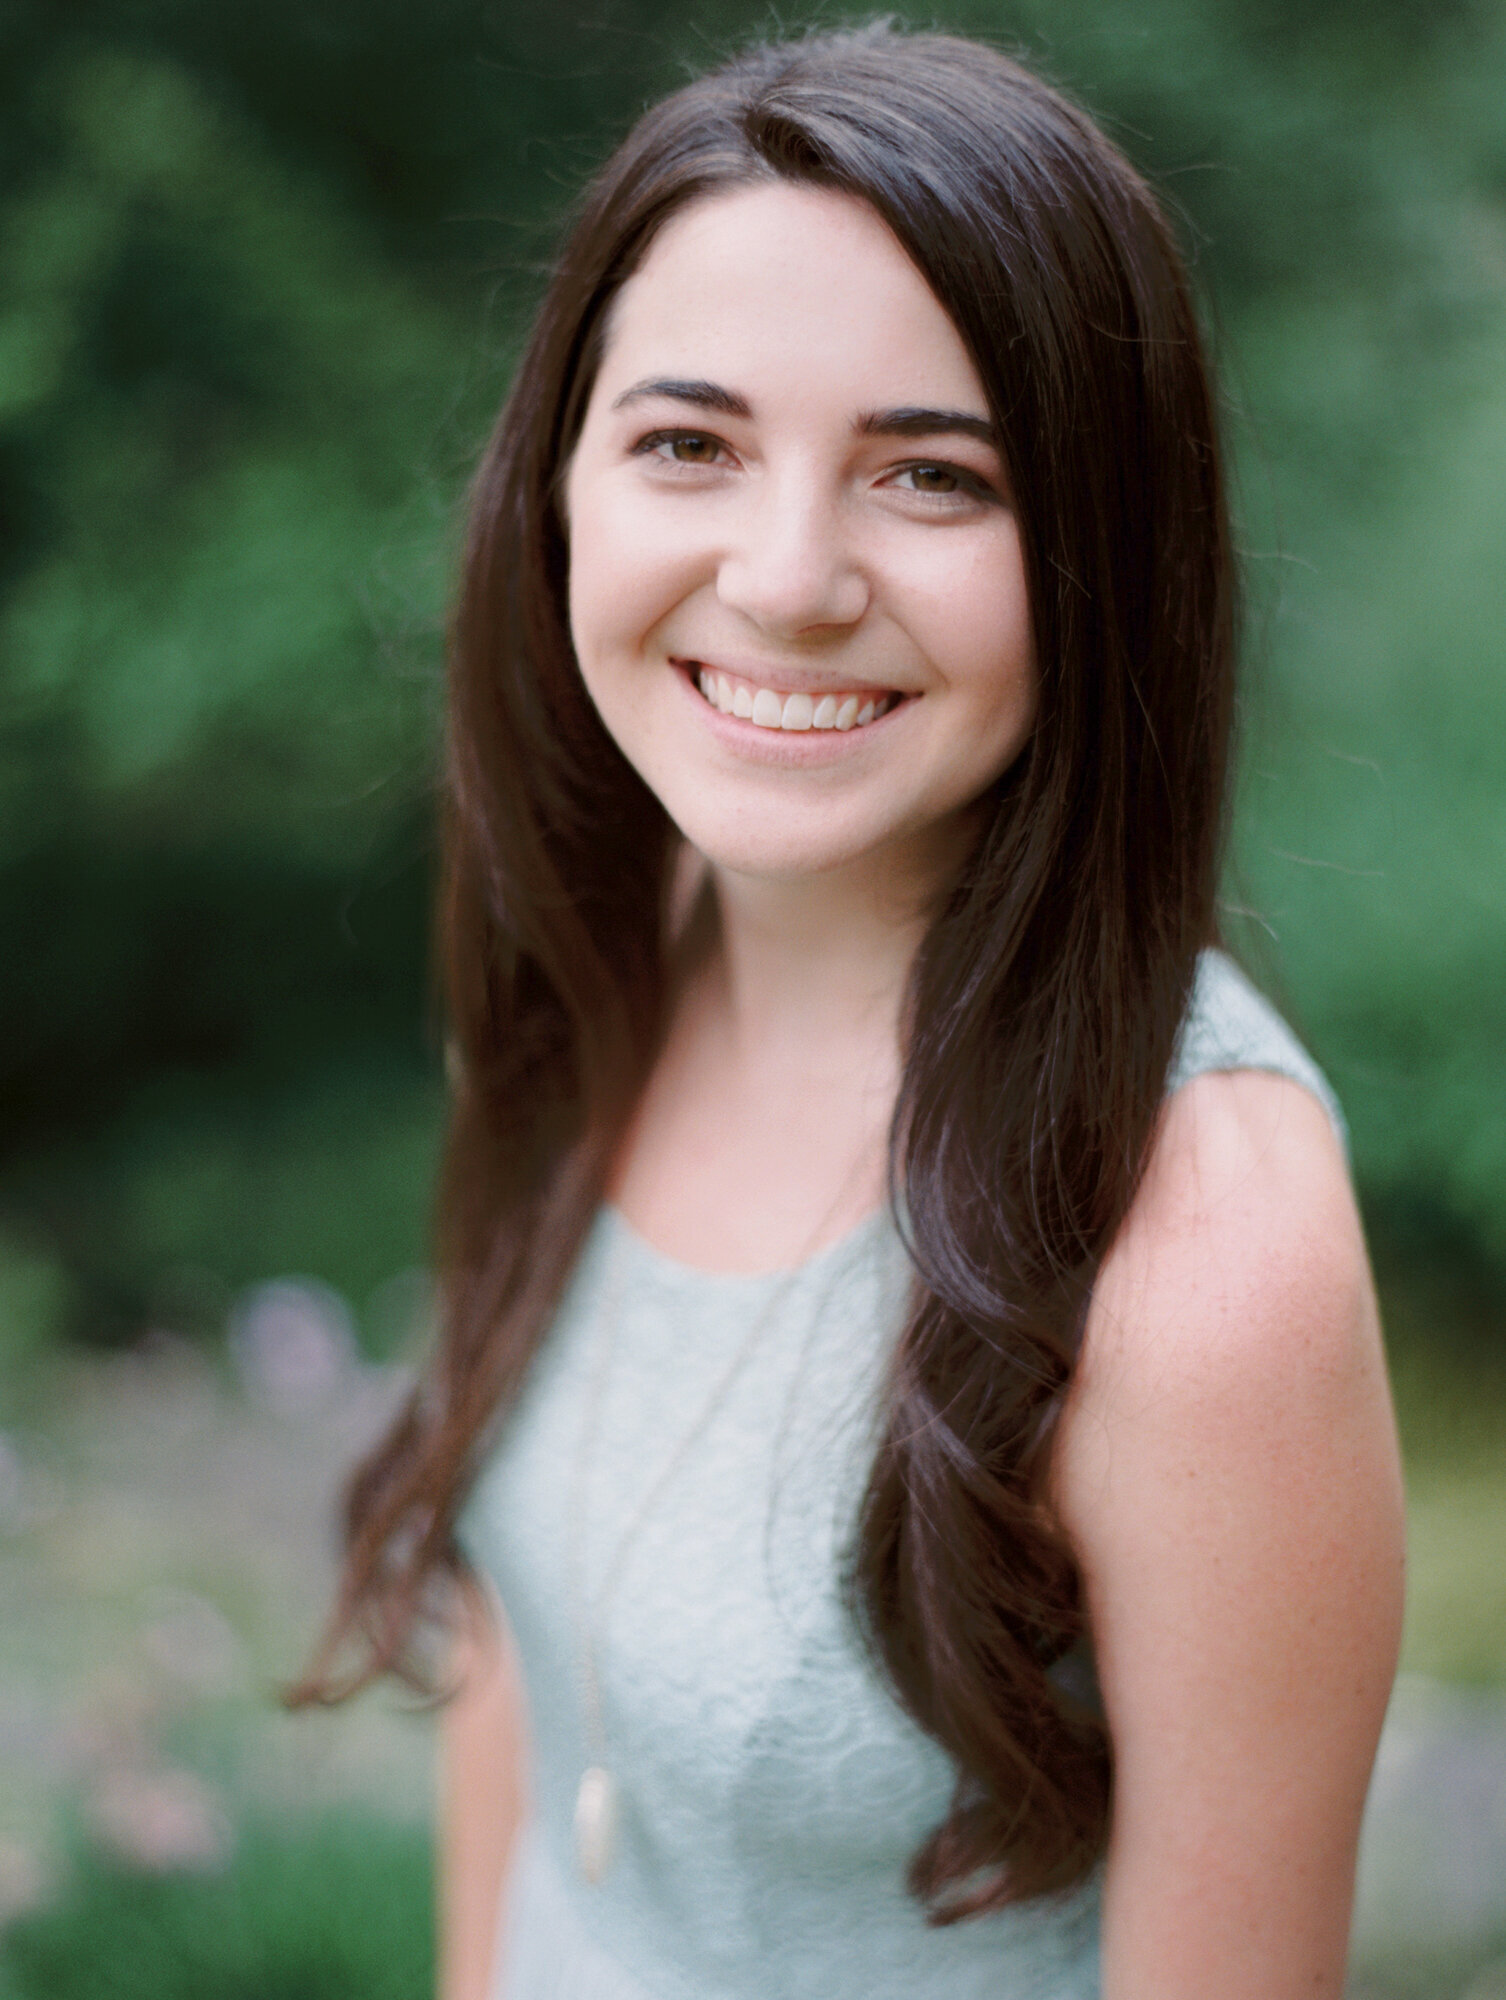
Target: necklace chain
(596, 1800)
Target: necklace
(596, 1799)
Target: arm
(482, 1802)
(1227, 1468)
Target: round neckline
(678, 1269)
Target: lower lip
(795, 749)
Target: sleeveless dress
(770, 1790)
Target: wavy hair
(1045, 1000)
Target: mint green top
(771, 1791)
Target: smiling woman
(908, 1465)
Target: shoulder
(1233, 1330)
(1243, 1249)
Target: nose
(790, 567)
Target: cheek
(627, 571)
(601, 568)
(978, 615)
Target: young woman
(909, 1367)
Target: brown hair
(1045, 1000)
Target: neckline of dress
(677, 1269)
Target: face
(796, 587)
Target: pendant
(595, 1823)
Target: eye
(941, 481)
(680, 447)
(932, 478)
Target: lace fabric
(771, 1790)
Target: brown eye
(680, 447)
(933, 478)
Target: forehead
(799, 289)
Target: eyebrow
(909, 421)
(913, 422)
(700, 395)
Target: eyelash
(969, 483)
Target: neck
(814, 968)
(762, 1131)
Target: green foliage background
(263, 270)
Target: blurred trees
(263, 268)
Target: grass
(338, 1909)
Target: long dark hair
(1044, 1002)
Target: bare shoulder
(1242, 1260)
(1230, 1407)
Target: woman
(909, 1358)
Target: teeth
(793, 711)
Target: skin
(483, 1756)
(1227, 1461)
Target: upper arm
(482, 1799)
(1227, 1469)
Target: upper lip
(786, 679)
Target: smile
(767, 708)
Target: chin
(785, 853)
(774, 860)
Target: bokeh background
(263, 268)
